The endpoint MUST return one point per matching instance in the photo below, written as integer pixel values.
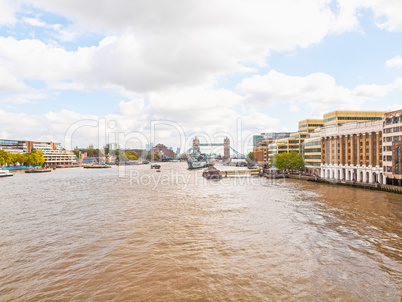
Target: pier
(232, 173)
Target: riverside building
(53, 153)
(312, 152)
(342, 117)
(392, 147)
(13, 146)
(261, 151)
(312, 146)
(295, 140)
(353, 152)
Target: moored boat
(212, 173)
(155, 166)
(37, 171)
(96, 166)
(5, 173)
(197, 160)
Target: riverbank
(377, 187)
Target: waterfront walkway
(376, 186)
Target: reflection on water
(90, 234)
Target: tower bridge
(226, 148)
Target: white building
(353, 152)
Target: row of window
(313, 143)
(392, 138)
(393, 129)
(393, 120)
(312, 150)
(359, 118)
(315, 164)
(312, 157)
(353, 118)
(310, 125)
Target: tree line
(288, 161)
(284, 161)
(35, 158)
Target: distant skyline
(203, 65)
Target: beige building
(312, 152)
(312, 146)
(352, 152)
(392, 147)
(342, 117)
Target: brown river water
(92, 234)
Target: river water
(96, 234)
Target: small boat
(212, 173)
(96, 166)
(38, 170)
(155, 166)
(133, 163)
(5, 173)
(158, 170)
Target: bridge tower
(196, 145)
(226, 149)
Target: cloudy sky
(205, 66)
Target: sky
(136, 72)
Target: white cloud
(34, 22)
(390, 9)
(7, 12)
(24, 98)
(9, 81)
(318, 90)
(294, 108)
(387, 12)
(157, 44)
(394, 62)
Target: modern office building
(257, 139)
(13, 146)
(392, 147)
(310, 125)
(342, 117)
(261, 152)
(352, 152)
(54, 154)
(312, 152)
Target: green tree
(155, 156)
(296, 161)
(35, 158)
(2, 157)
(77, 154)
(250, 156)
(91, 152)
(107, 150)
(288, 161)
(10, 158)
(282, 161)
(131, 155)
(20, 158)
